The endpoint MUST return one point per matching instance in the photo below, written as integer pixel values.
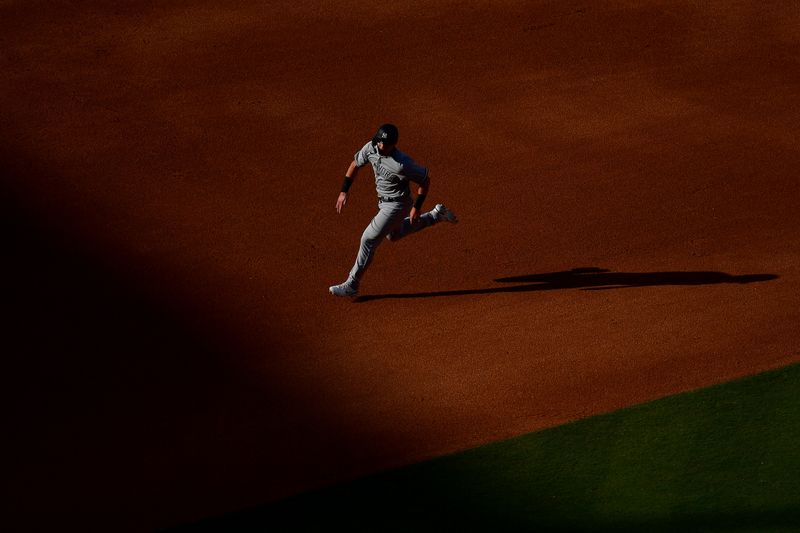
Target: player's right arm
(359, 160)
(349, 176)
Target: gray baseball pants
(393, 223)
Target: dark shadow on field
(707, 469)
(126, 405)
(588, 279)
(451, 494)
(393, 511)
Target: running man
(398, 215)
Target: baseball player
(398, 214)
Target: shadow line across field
(589, 279)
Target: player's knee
(370, 240)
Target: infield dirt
(625, 176)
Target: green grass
(726, 458)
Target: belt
(388, 199)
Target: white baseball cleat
(444, 214)
(345, 289)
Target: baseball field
(607, 340)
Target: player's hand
(414, 216)
(341, 202)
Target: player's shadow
(589, 279)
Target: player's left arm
(419, 175)
(422, 192)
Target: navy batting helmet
(386, 134)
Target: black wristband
(420, 200)
(348, 181)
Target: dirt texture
(625, 174)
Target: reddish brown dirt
(169, 178)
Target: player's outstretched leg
(388, 215)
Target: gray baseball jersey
(392, 172)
